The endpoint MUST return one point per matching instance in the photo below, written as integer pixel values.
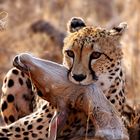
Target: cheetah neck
(112, 84)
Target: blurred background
(39, 26)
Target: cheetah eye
(95, 55)
(70, 53)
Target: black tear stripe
(69, 70)
(110, 59)
(94, 76)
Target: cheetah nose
(79, 77)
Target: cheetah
(91, 55)
(13, 109)
(20, 101)
(31, 127)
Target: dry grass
(18, 38)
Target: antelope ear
(118, 30)
(75, 24)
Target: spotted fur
(32, 127)
(91, 55)
(18, 96)
(95, 55)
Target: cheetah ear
(75, 24)
(118, 31)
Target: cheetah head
(89, 52)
